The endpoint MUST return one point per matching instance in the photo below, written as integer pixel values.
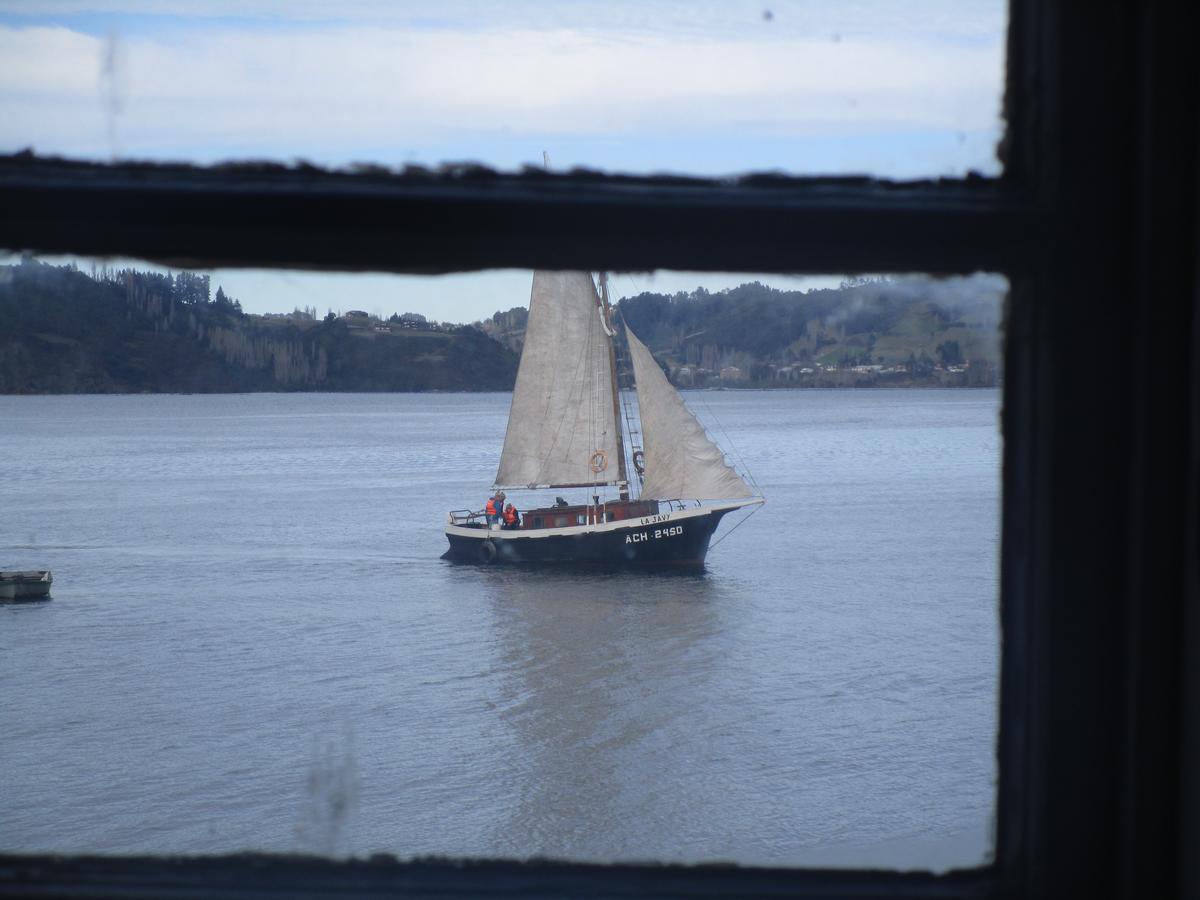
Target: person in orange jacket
(512, 518)
(494, 508)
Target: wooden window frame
(1094, 223)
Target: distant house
(383, 329)
(412, 320)
(356, 318)
(732, 373)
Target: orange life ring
(599, 461)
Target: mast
(622, 475)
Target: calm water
(252, 642)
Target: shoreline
(686, 390)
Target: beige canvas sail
(681, 462)
(562, 425)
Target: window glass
(898, 90)
(241, 486)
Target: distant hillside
(62, 331)
(507, 327)
(867, 332)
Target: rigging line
(599, 359)
(596, 358)
(732, 446)
(590, 367)
(630, 461)
(633, 281)
(627, 409)
(734, 528)
(627, 405)
(608, 380)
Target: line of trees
(914, 326)
(125, 330)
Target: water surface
(253, 642)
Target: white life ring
(639, 462)
(599, 461)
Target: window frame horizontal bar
(467, 219)
(254, 875)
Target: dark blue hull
(679, 543)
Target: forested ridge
(910, 331)
(867, 331)
(66, 331)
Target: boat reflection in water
(605, 684)
(565, 432)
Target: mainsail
(680, 461)
(562, 428)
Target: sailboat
(565, 431)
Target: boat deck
(565, 516)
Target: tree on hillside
(949, 353)
(226, 303)
(191, 288)
(920, 367)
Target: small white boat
(25, 585)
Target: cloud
(681, 19)
(30, 56)
(979, 296)
(323, 91)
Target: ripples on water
(253, 642)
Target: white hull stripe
(571, 530)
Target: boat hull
(25, 585)
(679, 539)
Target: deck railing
(467, 517)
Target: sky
(901, 90)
